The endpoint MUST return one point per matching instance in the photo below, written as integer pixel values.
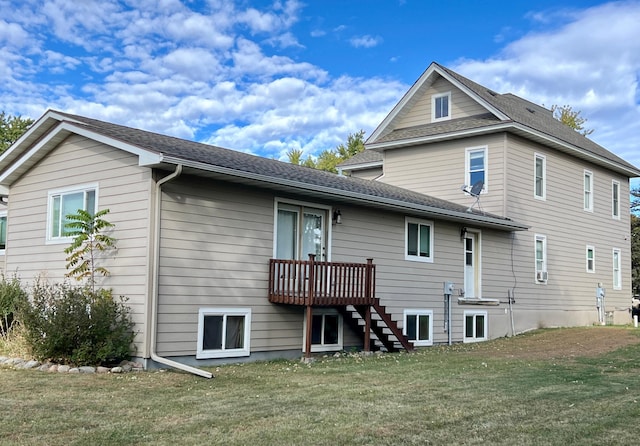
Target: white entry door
(471, 266)
(301, 231)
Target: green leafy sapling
(88, 242)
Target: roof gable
(505, 112)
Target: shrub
(77, 325)
(11, 294)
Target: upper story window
(476, 162)
(615, 200)
(441, 107)
(64, 202)
(3, 231)
(541, 258)
(418, 240)
(617, 270)
(591, 259)
(540, 174)
(588, 191)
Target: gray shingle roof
(364, 157)
(243, 164)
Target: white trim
(541, 275)
(434, 99)
(617, 272)
(536, 157)
(418, 258)
(473, 338)
(324, 347)
(49, 240)
(224, 353)
(615, 207)
(467, 166)
(3, 213)
(593, 260)
(418, 312)
(587, 206)
(305, 204)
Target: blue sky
(270, 76)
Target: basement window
(223, 332)
(418, 327)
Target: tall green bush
(11, 294)
(77, 325)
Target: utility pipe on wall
(155, 276)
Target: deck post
(310, 297)
(368, 279)
(367, 329)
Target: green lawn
(462, 394)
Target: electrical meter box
(448, 287)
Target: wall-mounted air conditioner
(541, 276)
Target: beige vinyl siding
(123, 187)
(366, 174)
(569, 295)
(439, 169)
(215, 246)
(403, 284)
(420, 112)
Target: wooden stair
(386, 335)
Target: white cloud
(365, 41)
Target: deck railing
(309, 282)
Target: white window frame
(541, 275)
(418, 313)
(588, 191)
(467, 166)
(3, 214)
(592, 250)
(418, 258)
(615, 199)
(474, 314)
(543, 159)
(201, 353)
(283, 203)
(51, 239)
(434, 100)
(322, 347)
(617, 268)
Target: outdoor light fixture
(463, 233)
(337, 217)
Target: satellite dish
(475, 191)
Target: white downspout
(155, 278)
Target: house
(214, 244)
(225, 256)
(448, 131)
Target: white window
(64, 202)
(540, 177)
(441, 107)
(617, 270)
(326, 331)
(3, 231)
(418, 327)
(223, 332)
(418, 240)
(591, 259)
(301, 229)
(475, 326)
(476, 162)
(588, 191)
(615, 200)
(541, 258)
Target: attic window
(441, 107)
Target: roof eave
(330, 192)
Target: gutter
(155, 278)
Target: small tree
(12, 128)
(329, 159)
(88, 243)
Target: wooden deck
(312, 283)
